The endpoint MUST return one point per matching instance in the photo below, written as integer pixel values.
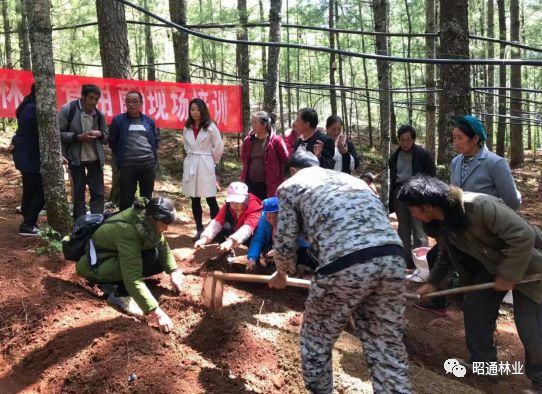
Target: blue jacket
(488, 174)
(26, 140)
(263, 236)
(118, 135)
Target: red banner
(165, 102)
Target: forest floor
(56, 336)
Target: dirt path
(58, 337)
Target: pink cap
(237, 192)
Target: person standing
(346, 158)
(83, 132)
(476, 169)
(360, 272)
(25, 147)
(263, 155)
(204, 148)
(134, 140)
(312, 139)
(408, 160)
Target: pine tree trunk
(149, 47)
(430, 107)
(270, 90)
(516, 132)
(181, 50)
(264, 38)
(243, 65)
(501, 127)
(113, 33)
(288, 75)
(24, 42)
(344, 107)
(115, 55)
(56, 203)
(381, 9)
(408, 69)
(490, 99)
(332, 60)
(7, 34)
(366, 82)
(454, 98)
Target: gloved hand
(176, 280)
(162, 320)
(200, 243)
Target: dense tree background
(108, 38)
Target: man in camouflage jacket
(360, 272)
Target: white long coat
(202, 153)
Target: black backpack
(76, 245)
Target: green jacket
(497, 237)
(119, 247)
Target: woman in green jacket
(130, 246)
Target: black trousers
(90, 174)
(197, 212)
(257, 188)
(130, 177)
(33, 199)
(480, 311)
(432, 256)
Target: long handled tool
(213, 286)
(468, 289)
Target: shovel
(213, 286)
(468, 289)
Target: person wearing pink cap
(236, 220)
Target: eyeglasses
(132, 102)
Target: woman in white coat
(204, 148)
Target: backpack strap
(71, 114)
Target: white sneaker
(125, 304)
(417, 276)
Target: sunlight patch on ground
(230, 297)
(270, 322)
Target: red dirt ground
(56, 336)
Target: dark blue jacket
(118, 132)
(263, 237)
(26, 154)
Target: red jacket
(250, 216)
(275, 156)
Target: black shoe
(28, 231)
(198, 234)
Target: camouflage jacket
(336, 213)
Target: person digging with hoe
(485, 241)
(360, 272)
(130, 246)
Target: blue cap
(270, 205)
